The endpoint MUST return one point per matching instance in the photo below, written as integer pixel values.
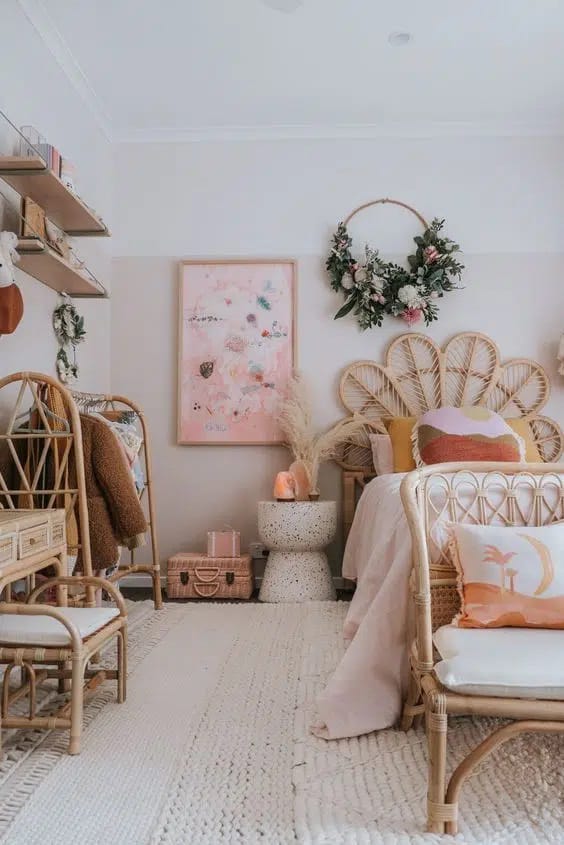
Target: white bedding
(366, 691)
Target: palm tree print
(494, 555)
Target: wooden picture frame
(236, 349)
(33, 220)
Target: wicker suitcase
(197, 576)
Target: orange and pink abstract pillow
(509, 577)
(469, 433)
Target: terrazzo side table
(296, 534)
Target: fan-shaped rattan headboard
(419, 375)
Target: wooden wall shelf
(42, 262)
(29, 176)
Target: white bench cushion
(503, 662)
(46, 631)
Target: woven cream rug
(213, 747)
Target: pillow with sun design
(509, 577)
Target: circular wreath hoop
(374, 288)
(69, 330)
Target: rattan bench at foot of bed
(428, 495)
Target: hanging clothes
(130, 442)
(114, 512)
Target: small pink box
(224, 543)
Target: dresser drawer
(58, 533)
(34, 540)
(8, 549)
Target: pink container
(224, 543)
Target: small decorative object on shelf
(310, 449)
(33, 219)
(57, 239)
(192, 575)
(69, 330)
(285, 487)
(296, 533)
(374, 288)
(11, 301)
(68, 174)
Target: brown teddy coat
(114, 512)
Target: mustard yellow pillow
(523, 429)
(399, 429)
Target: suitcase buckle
(230, 577)
(184, 578)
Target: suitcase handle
(206, 595)
(207, 575)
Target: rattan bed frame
(418, 375)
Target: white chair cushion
(503, 662)
(46, 631)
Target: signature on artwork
(211, 426)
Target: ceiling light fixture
(286, 6)
(399, 39)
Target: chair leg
(413, 699)
(438, 812)
(77, 703)
(157, 589)
(64, 684)
(122, 666)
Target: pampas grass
(307, 446)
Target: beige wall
(35, 91)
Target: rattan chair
(501, 494)
(46, 642)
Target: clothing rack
(112, 407)
(53, 435)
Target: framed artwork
(236, 349)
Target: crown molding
(389, 129)
(38, 16)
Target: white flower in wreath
(378, 284)
(347, 281)
(409, 295)
(360, 275)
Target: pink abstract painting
(236, 349)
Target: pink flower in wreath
(411, 315)
(431, 254)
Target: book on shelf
(51, 156)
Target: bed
(369, 685)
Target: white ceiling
(198, 68)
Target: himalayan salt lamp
(302, 482)
(284, 487)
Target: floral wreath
(374, 288)
(69, 330)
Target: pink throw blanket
(367, 689)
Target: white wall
(34, 90)
(502, 201)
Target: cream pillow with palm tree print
(509, 576)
